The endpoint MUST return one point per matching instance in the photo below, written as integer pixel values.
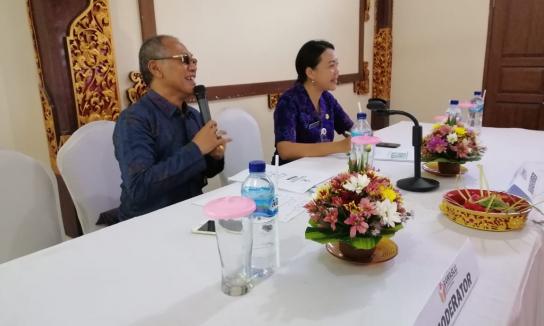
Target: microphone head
(375, 104)
(200, 91)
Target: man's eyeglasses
(184, 58)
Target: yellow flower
(352, 207)
(460, 131)
(322, 191)
(389, 193)
(436, 126)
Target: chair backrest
(88, 166)
(246, 140)
(29, 206)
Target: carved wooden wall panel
(92, 65)
(77, 77)
(382, 58)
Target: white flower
(357, 183)
(452, 138)
(387, 210)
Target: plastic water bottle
(257, 186)
(361, 127)
(476, 112)
(453, 111)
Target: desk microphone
(415, 183)
(200, 93)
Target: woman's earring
(313, 81)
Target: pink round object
(365, 140)
(229, 208)
(465, 105)
(440, 118)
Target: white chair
(88, 166)
(246, 141)
(30, 217)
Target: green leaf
(364, 243)
(494, 203)
(392, 230)
(321, 235)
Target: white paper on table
(290, 205)
(528, 182)
(402, 154)
(296, 180)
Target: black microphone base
(418, 184)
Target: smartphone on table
(207, 228)
(388, 145)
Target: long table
(152, 270)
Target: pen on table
(276, 171)
(277, 185)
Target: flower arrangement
(451, 142)
(358, 208)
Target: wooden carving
(383, 59)
(273, 100)
(92, 64)
(47, 107)
(361, 87)
(138, 88)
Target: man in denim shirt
(164, 151)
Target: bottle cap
(257, 166)
(454, 102)
(361, 115)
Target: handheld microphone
(200, 93)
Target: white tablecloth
(152, 270)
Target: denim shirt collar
(164, 106)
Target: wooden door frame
(488, 43)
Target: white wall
(127, 39)
(21, 117)
(438, 53)
(245, 41)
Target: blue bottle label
(267, 206)
(265, 200)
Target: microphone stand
(415, 183)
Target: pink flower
(367, 207)
(337, 201)
(437, 145)
(462, 150)
(332, 218)
(311, 207)
(444, 130)
(338, 181)
(358, 224)
(315, 217)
